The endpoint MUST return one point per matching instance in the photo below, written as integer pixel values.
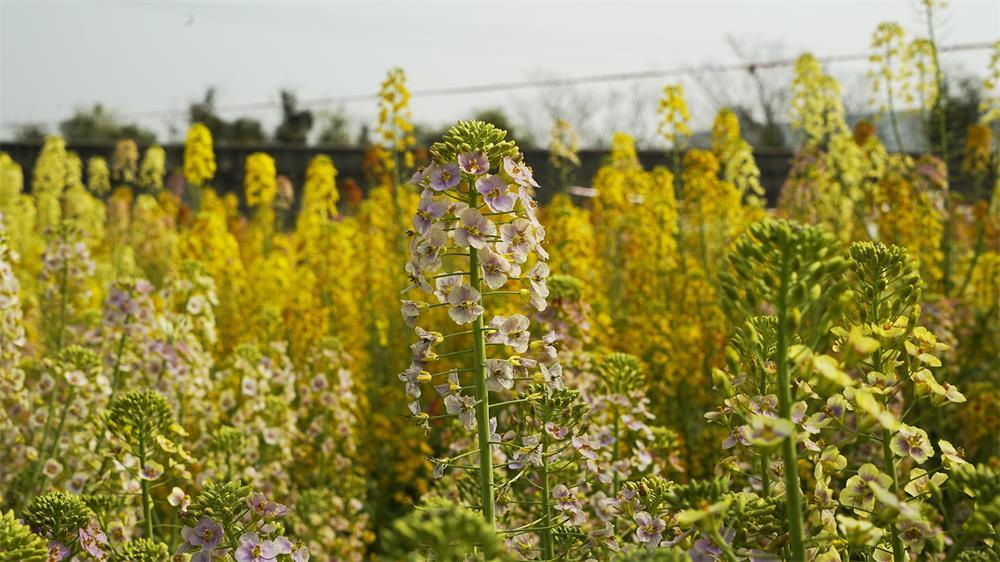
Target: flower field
(673, 369)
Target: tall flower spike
(395, 123)
(674, 116)
(199, 157)
(476, 221)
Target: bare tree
(758, 95)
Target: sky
(148, 60)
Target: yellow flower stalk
(260, 183)
(85, 212)
(816, 109)
(395, 126)
(711, 210)
(199, 157)
(154, 238)
(98, 176)
(826, 183)
(210, 241)
(319, 197)
(978, 148)
(674, 117)
(152, 169)
(735, 155)
(563, 144)
(125, 162)
(890, 73)
(48, 180)
(906, 214)
(17, 213)
(921, 55)
(74, 170)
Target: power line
(750, 67)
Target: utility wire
(750, 67)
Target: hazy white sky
(155, 56)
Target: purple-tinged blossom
(511, 331)
(416, 277)
(495, 268)
(418, 176)
(266, 508)
(462, 406)
(463, 304)
(537, 280)
(496, 193)
(452, 386)
(474, 230)
(519, 172)
(552, 376)
(92, 538)
(499, 375)
(426, 250)
(443, 176)
(566, 501)
(912, 442)
(301, 555)
(528, 454)
(206, 533)
(517, 239)
(529, 205)
(650, 531)
(413, 376)
(445, 285)
(475, 163)
(252, 549)
(411, 311)
(428, 210)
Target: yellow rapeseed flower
(199, 157)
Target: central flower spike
(476, 241)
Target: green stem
(889, 465)
(147, 500)
(977, 252)
(62, 422)
(63, 303)
(792, 492)
(724, 546)
(482, 393)
(939, 106)
(765, 476)
(548, 552)
(115, 383)
(616, 452)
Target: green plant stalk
(977, 253)
(898, 555)
(62, 422)
(115, 383)
(724, 546)
(616, 452)
(888, 463)
(63, 303)
(548, 552)
(147, 500)
(765, 477)
(50, 409)
(482, 393)
(943, 132)
(792, 493)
